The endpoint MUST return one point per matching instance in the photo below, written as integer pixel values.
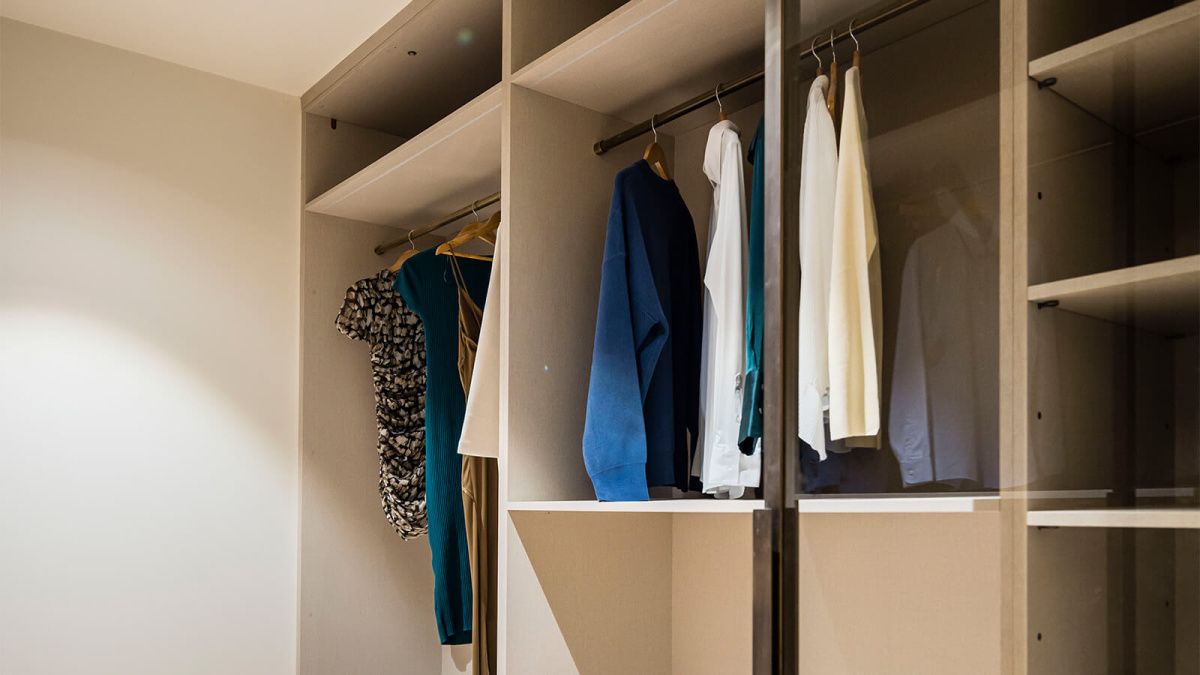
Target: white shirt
(818, 176)
(855, 292)
(946, 380)
(481, 423)
(724, 470)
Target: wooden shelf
(899, 504)
(653, 506)
(448, 166)
(1140, 77)
(805, 505)
(381, 86)
(1162, 297)
(1179, 518)
(651, 54)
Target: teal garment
(427, 285)
(752, 402)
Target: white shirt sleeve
(855, 306)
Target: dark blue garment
(427, 285)
(644, 392)
(752, 402)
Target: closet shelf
(652, 506)
(454, 162)
(1162, 297)
(1178, 518)
(1138, 78)
(649, 55)
(902, 504)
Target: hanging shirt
(945, 384)
(752, 399)
(643, 395)
(426, 282)
(818, 178)
(481, 423)
(855, 293)
(724, 470)
(374, 313)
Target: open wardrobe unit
(723, 336)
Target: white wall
(149, 264)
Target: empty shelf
(1137, 78)
(653, 506)
(648, 55)
(1162, 297)
(1183, 518)
(449, 165)
(899, 504)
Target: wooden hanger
(655, 157)
(485, 231)
(720, 107)
(831, 97)
(395, 267)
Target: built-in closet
(1034, 176)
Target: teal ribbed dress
(426, 283)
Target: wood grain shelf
(648, 55)
(1138, 78)
(1162, 297)
(805, 505)
(1148, 517)
(899, 504)
(449, 165)
(652, 506)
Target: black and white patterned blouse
(374, 313)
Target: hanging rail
(710, 96)
(461, 213)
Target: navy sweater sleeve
(631, 330)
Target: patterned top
(375, 313)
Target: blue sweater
(644, 393)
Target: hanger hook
(652, 129)
(813, 49)
(410, 241)
(831, 46)
(856, 48)
(717, 93)
(474, 212)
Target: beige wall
(149, 262)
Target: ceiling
(285, 45)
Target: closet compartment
(1114, 140)
(557, 197)
(630, 592)
(420, 79)
(1113, 600)
(934, 149)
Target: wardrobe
(1052, 141)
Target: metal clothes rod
(461, 213)
(694, 104)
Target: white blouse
(724, 470)
(818, 176)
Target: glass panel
(1114, 356)
(929, 358)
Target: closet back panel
(557, 204)
(882, 593)
(365, 596)
(542, 25)
(334, 154)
